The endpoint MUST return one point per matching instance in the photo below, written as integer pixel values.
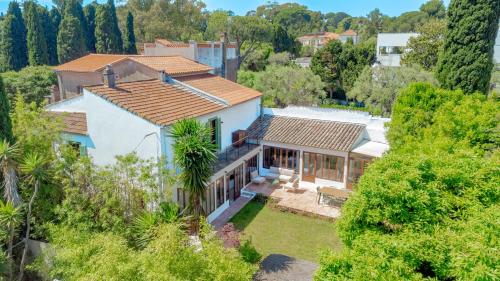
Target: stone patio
(300, 200)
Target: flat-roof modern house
(321, 147)
(209, 53)
(390, 47)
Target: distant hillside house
(390, 47)
(209, 53)
(318, 40)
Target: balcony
(233, 153)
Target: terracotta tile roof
(222, 88)
(89, 63)
(158, 102)
(171, 44)
(172, 65)
(306, 132)
(74, 122)
(349, 32)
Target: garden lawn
(277, 232)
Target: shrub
(249, 253)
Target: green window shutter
(218, 133)
(83, 150)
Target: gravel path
(277, 267)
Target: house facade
(318, 40)
(390, 47)
(323, 147)
(209, 53)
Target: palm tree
(8, 154)
(34, 166)
(10, 218)
(194, 154)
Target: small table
(333, 192)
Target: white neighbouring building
(323, 147)
(390, 47)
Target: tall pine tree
(129, 38)
(70, 46)
(89, 12)
(50, 35)
(107, 34)
(5, 124)
(36, 41)
(13, 53)
(466, 61)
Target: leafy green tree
(424, 49)
(284, 42)
(287, 85)
(194, 154)
(354, 58)
(466, 62)
(5, 123)
(258, 59)
(129, 46)
(35, 167)
(326, 64)
(250, 32)
(218, 22)
(434, 9)
(89, 11)
(13, 52)
(70, 42)
(36, 37)
(50, 35)
(283, 59)
(431, 198)
(33, 83)
(108, 36)
(10, 219)
(379, 87)
(297, 19)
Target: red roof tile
(74, 122)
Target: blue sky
(352, 7)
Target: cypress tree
(74, 7)
(89, 12)
(107, 35)
(7, 45)
(55, 18)
(15, 54)
(50, 35)
(5, 124)
(467, 60)
(70, 46)
(129, 38)
(36, 41)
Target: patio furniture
(338, 196)
(292, 184)
(256, 178)
(281, 174)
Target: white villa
(390, 47)
(319, 147)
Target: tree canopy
(425, 48)
(467, 58)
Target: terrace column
(346, 169)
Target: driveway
(277, 267)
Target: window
(78, 148)
(214, 125)
(357, 166)
(252, 165)
(328, 167)
(281, 158)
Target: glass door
(309, 167)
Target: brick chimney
(108, 77)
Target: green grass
(276, 232)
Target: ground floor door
(309, 167)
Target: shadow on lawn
(246, 215)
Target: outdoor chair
(256, 178)
(292, 184)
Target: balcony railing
(234, 152)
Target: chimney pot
(108, 76)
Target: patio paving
(232, 210)
(302, 200)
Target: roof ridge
(316, 119)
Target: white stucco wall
(392, 40)
(112, 131)
(238, 117)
